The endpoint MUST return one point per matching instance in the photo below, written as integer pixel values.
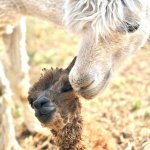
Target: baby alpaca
(57, 107)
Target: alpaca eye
(67, 87)
(131, 27)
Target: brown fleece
(66, 125)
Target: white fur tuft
(103, 16)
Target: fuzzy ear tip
(71, 64)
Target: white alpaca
(111, 30)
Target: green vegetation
(136, 105)
(16, 112)
(147, 114)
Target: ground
(123, 109)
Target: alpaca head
(110, 30)
(53, 98)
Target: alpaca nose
(43, 105)
(80, 81)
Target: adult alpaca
(111, 30)
(14, 78)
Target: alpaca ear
(71, 64)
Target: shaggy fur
(103, 16)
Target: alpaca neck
(70, 137)
(51, 10)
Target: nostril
(35, 104)
(41, 102)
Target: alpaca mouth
(87, 86)
(45, 116)
(94, 88)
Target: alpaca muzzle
(44, 109)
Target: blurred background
(123, 109)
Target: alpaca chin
(56, 124)
(44, 118)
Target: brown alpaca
(57, 107)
